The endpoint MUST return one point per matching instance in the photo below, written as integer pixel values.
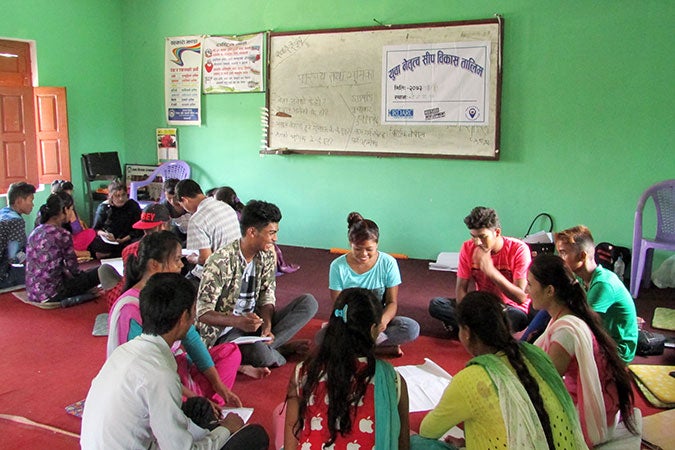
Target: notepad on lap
(244, 413)
(250, 339)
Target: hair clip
(341, 313)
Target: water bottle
(619, 267)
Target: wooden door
(51, 122)
(18, 157)
(15, 64)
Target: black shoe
(76, 300)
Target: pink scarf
(592, 409)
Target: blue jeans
(444, 309)
(400, 330)
(536, 327)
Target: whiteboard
(330, 91)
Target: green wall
(586, 121)
(78, 46)
(586, 124)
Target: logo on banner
(433, 113)
(472, 113)
(401, 113)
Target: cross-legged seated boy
(496, 264)
(236, 294)
(13, 234)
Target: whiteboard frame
(444, 154)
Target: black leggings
(250, 437)
(77, 285)
(444, 309)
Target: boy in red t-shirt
(495, 263)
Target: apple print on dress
(316, 423)
(353, 446)
(366, 425)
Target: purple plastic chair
(171, 169)
(663, 195)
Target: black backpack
(607, 255)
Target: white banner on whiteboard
(443, 84)
(233, 64)
(183, 79)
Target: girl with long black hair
(208, 372)
(342, 394)
(581, 350)
(52, 271)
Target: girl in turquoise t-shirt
(366, 267)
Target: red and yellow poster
(233, 64)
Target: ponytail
(157, 246)
(43, 214)
(551, 270)
(512, 351)
(55, 205)
(132, 272)
(483, 313)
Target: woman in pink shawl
(581, 351)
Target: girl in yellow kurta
(509, 395)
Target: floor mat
(12, 288)
(658, 429)
(23, 296)
(664, 319)
(656, 383)
(100, 325)
(76, 409)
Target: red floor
(49, 356)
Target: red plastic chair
(663, 195)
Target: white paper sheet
(446, 261)
(455, 432)
(116, 263)
(540, 237)
(108, 241)
(426, 383)
(119, 265)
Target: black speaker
(101, 164)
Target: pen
(650, 446)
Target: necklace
(560, 311)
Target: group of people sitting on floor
(562, 384)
